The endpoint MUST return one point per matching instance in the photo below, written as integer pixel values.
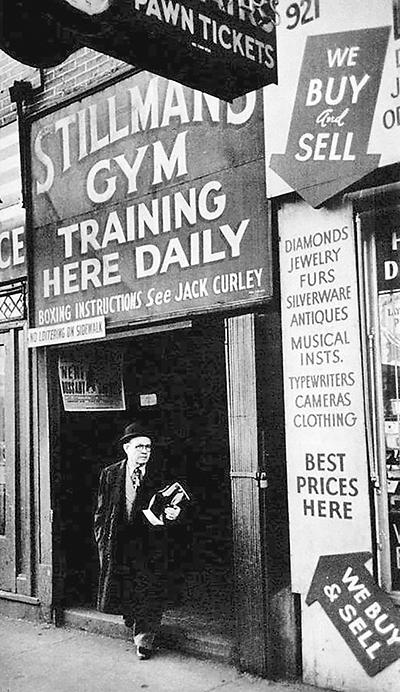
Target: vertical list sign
(324, 416)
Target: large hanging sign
(224, 47)
(335, 115)
(148, 202)
(323, 390)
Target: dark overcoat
(110, 523)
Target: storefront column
(243, 434)
(264, 605)
(43, 442)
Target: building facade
(230, 271)
(151, 293)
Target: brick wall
(10, 70)
(83, 69)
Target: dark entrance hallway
(185, 370)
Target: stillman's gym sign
(148, 202)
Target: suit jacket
(113, 532)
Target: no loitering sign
(80, 330)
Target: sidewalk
(41, 658)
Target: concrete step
(179, 632)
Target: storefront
(152, 295)
(337, 147)
(230, 271)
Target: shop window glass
(2, 444)
(389, 318)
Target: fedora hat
(135, 430)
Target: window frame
(367, 222)
(8, 547)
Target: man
(132, 551)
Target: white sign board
(324, 415)
(92, 380)
(68, 332)
(335, 114)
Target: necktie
(136, 477)
(132, 484)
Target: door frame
(258, 608)
(266, 610)
(248, 548)
(8, 554)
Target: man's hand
(171, 513)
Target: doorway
(177, 380)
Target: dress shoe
(143, 653)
